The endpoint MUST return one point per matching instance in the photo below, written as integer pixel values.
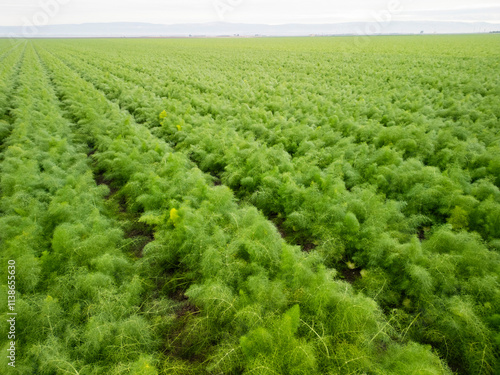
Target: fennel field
(250, 206)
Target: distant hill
(231, 29)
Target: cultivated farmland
(251, 206)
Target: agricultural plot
(251, 206)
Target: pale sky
(49, 12)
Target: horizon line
(260, 24)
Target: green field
(251, 206)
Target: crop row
(445, 107)
(77, 298)
(10, 62)
(398, 270)
(383, 167)
(255, 303)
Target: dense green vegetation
(269, 206)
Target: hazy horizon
(270, 12)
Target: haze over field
(220, 17)
(130, 29)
